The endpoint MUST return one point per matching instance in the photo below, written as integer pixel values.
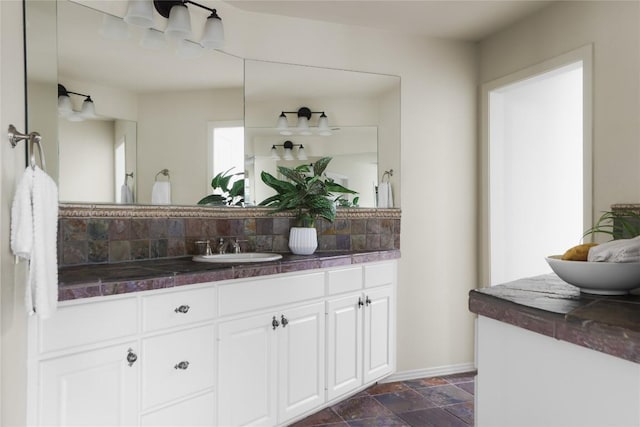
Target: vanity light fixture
(179, 25)
(65, 106)
(288, 151)
(140, 14)
(302, 126)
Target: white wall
(87, 150)
(13, 318)
(183, 138)
(614, 29)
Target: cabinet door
(344, 345)
(93, 388)
(247, 386)
(378, 333)
(301, 366)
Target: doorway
(538, 166)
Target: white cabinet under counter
(267, 350)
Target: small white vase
(303, 240)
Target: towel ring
(34, 139)
(164, 172)
(387, 174)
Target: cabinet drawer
(162, 377)
(197, 411)
(263, 293)
(345, 280)
(178, 308)
(89, 323)
(379, 274)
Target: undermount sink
(242, 257)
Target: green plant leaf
(320, 166)
(334, 187)
(213, 199)
(292, 174)
(237, 189)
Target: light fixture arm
(303, 112)
(62, 91)
(163, 7)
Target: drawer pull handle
(182, 365)
(368, 301)
(284, 321)
(131, 357)
(275, 323)
(360, 303)
(182, 309)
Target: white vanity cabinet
(271, 365)
(139, 359)
(88, 365)
(360, 327)
(262, 351)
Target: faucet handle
(222, 246)
(207, 250)
(236, 245)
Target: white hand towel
(126, 196)
(161, 193)
(41, 293)
(22, 218)
(385, 195)
(621, 250)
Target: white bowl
(601, 278)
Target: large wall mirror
(350, 116)
(191, 112)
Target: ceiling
(450, 19)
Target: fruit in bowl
(601, 278)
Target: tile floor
(428, 402)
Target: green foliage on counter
(308, 191)
(618, 225)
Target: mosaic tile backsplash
(111, 235)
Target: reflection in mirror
(363, 112)
(155, 106)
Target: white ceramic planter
(303, 240)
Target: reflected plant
(225, 196)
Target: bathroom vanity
(549, 355)
(262, 344)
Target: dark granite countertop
(549, 306)
(109, 279)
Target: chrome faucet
(222, 246)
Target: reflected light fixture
(139, 13)
(302, 125)
(288, 151)
(65, 106)
(114, 28)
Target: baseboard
(430, 372)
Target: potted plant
(308, 192)
(226, 196)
